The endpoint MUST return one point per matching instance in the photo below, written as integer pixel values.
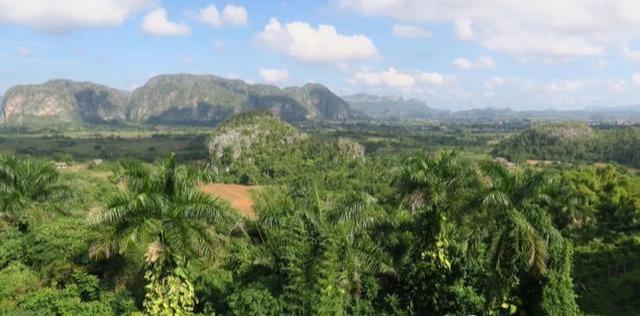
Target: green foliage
(162, 212)
(573, 142)
(606, 277)
(17, 280)
(254, 300)
(28, 188)
(163, 215)
(169, 290)
(335, 233)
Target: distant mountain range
(391, 107)
(394, 107)
(207, 100)
(167, 99)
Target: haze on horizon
(567, 54)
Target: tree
(162, 214)
(436, 190)
(521, 234)
(29, 188)
(321, 249)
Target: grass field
(83, 147)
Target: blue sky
(563, 54)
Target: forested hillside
(337, 231)
(574, 142)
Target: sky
(544, 54)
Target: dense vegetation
(336, 232)
(574, 142)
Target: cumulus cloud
(156, 23)
(273, 75)
(483, 62)
(390, 77)
(635, 78)
(234, 15)
(231, 15)
(211, 15)
(411, 31)
(323, 44)
(64, 15)
(536, 29)
(393, 78)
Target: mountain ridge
(168, 99)
(397, 107)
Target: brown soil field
(237, 195)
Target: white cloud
(324, 44)
(156, 23)
(617, 85)
(462, 63)
(390, 77)
(635, 78)
(64, 15)
(483, 62)
(24, 51)
(211, 15)
(430, 77)
(235, 15)
(272, 75)
(535, 29)
(396, 79)
(463, 29)
(630, 54)
(411, 31)
(231, 15)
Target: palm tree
(436, 191)
(162, 214)
(441, 182)
(323, 248)
(29, 188)
(512, 218)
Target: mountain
(395, 107)
(65, 101)
(168, 99)
(390, 107)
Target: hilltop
(573, 142)
(257, 147)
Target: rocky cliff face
(211, 99)
(320, 102)
(64, 100)
(169, 99)
(187, 99)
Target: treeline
(574, 142)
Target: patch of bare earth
(239, 196)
